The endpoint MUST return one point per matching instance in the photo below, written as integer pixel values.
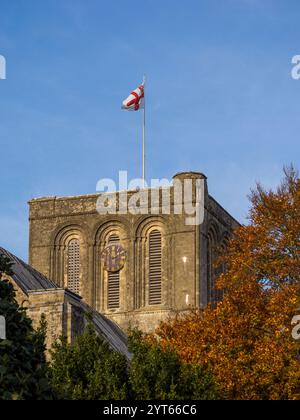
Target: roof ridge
(25, 276)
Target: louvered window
(213, 272)
(113, 298)
(155, 268)
(210, 273)
(74, 266)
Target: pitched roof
(25, 276)
(109, 331)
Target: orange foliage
(246, 339)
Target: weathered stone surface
(187, 253)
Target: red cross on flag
(136, 100)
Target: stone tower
(168, 265)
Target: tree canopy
(246, 339)
(23, 367)
(90, 370)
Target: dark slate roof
(25, 276)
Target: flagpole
(144, 137)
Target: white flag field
(136, 100)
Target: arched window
(214, 251)
(211, 277)
(74, 266)
(155, 268)
(222, 265)
(113, 280)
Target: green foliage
(88, 370)
(5, 266)
(157, 373)
(23, 367)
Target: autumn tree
(246, 339)
(23, 366)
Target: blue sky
(221, 99)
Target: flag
(136, 100)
